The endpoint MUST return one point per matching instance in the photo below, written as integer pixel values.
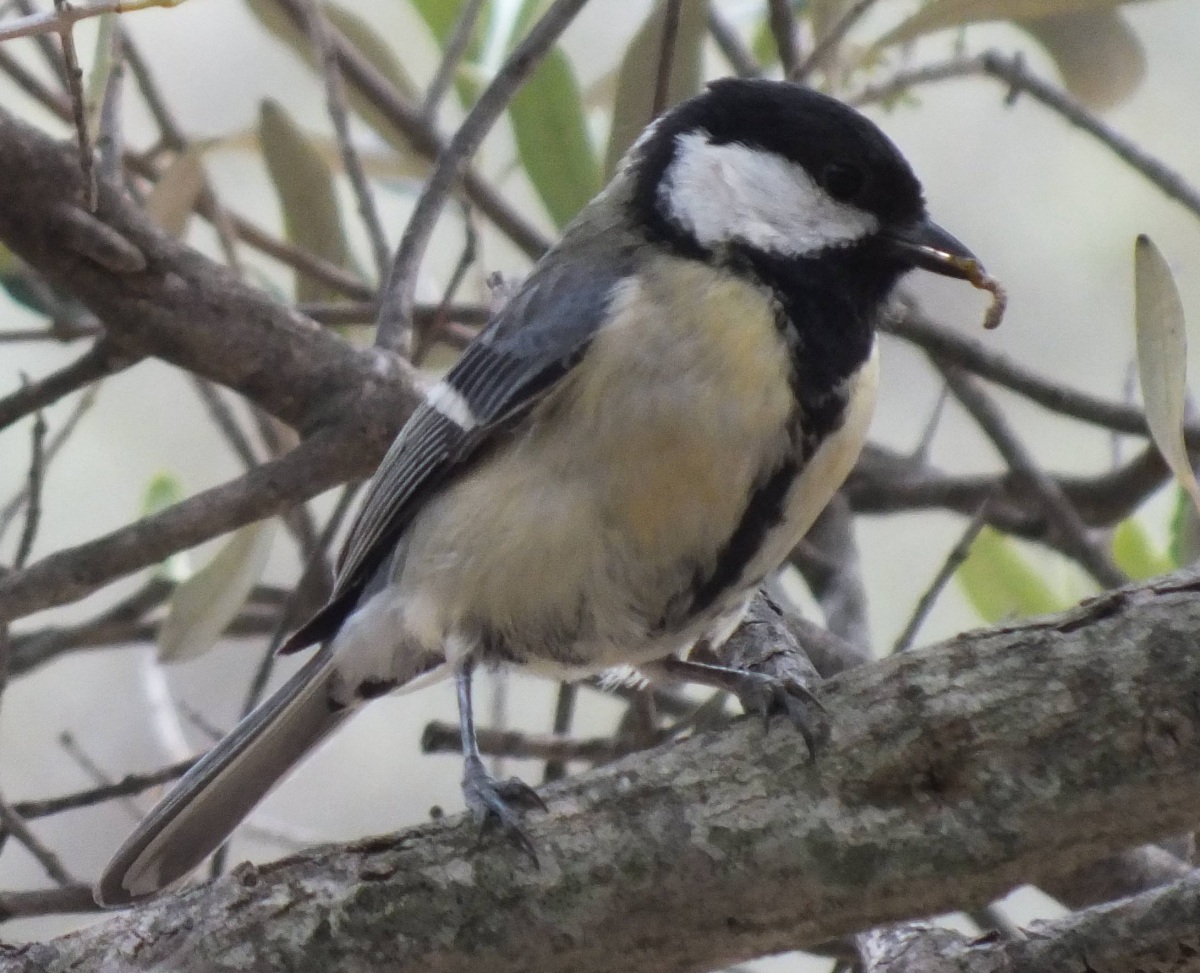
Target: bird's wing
(529, 347)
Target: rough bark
(950, 775)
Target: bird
(632, 444)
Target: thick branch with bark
(950, 775)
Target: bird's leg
(487, 798)
(758, 692)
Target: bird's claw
(498, 802)
(769, 695)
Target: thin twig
(441, 737)
(65, 17)
(1017, 78)
(33, 86)
(16, 826)
(110, 144)
(318, 268)
(102, 359)
(424, 138)
(127, 786)
(564, 712)
(67, 899)
(826, 45)
(98, 777)
(45, 43)
(33, 487)
(395, 316)
(225, 420)
(782, 22)
(739, 56)
(948, 345)
(59, 331)
(456, 48)
(423, 336)
(1058, 508)
(954, 560)
(78, 106)
(9, 513)
(666, 57)
(335, 105)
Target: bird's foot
(498, 802)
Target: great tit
(636, 440)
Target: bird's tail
(212, 798)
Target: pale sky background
(1051, 213)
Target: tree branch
(951, 775)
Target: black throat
(827, 308)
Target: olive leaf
(638, 77)
(551, 131)
(1097, 54)
(374, 49)
(203, 606)
(302, 178)
(174, 195)
(1162, 359)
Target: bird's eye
(842, 180)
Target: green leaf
(304, 183)
(1000, 582)
(1185, 531)
(1162, 359)
(203, 606)
(362, 36)
(1098, 56)
(638, 77)
(165, 490)
(1135, 554)
(552, 139)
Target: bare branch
(16, 826)
(44, 902)
(954, 560)
(739, 56)
(78, 108)
(33, 506)
(65, 17)
(335, 104)
(313, 467)
(424, 138)
(456, 48)
(1018, 79)
(832, 39)
(972, 355)
(694, 856)
(125, 787)
(395, 313)
(102, 359)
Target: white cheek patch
(446, 400)
(727, 193)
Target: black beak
(928, 246)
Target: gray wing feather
(529, 347)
